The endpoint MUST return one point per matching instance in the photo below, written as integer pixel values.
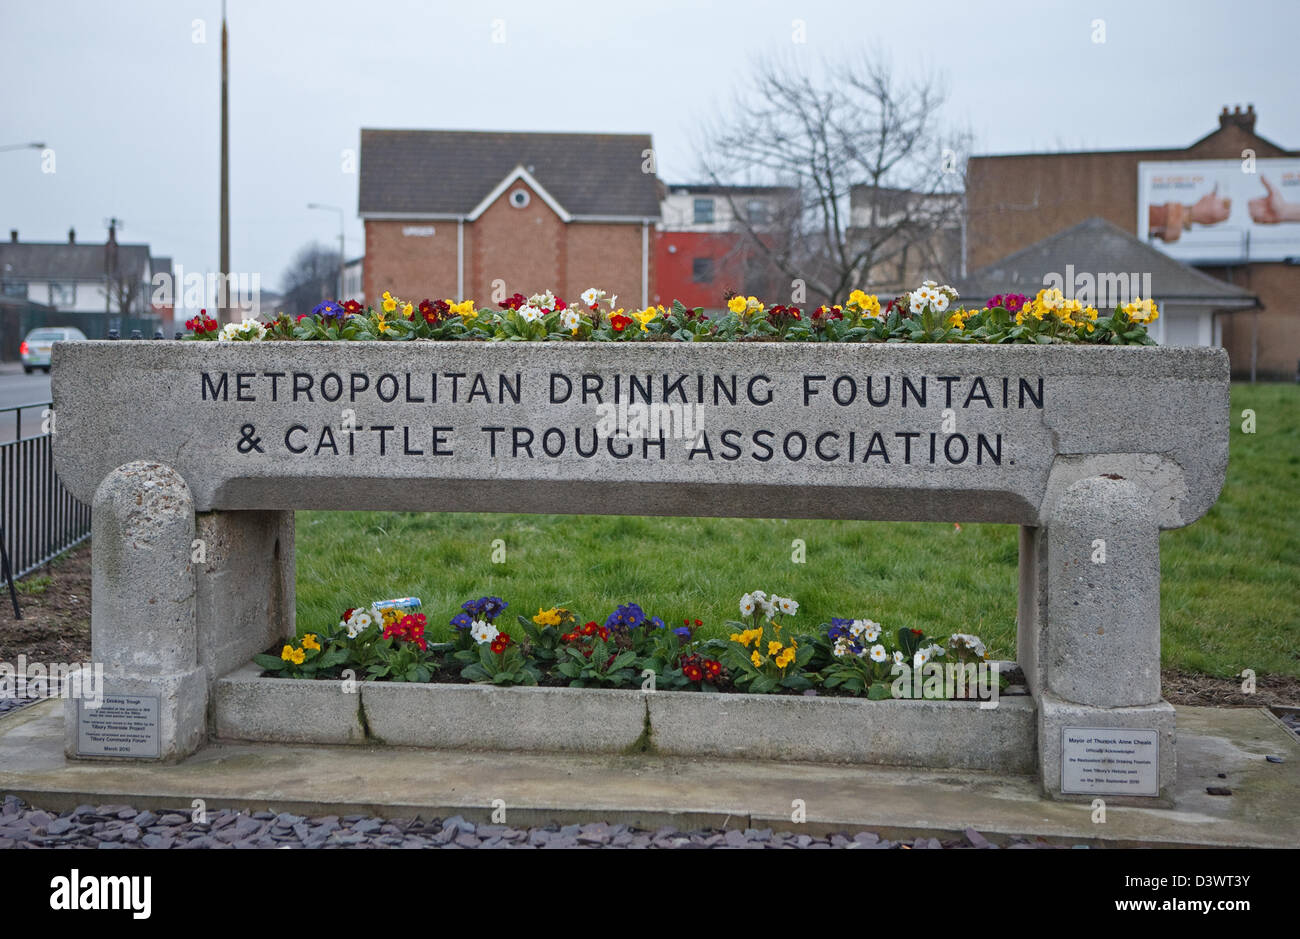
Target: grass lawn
(1230, 591)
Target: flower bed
(930, 313)
(855, 657)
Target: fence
(40, 518)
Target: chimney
(13, 236)
(72, 236)
(112, 229)
(1238, 118)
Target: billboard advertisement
(1225, 211)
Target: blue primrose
(462, 621)
(656, 622)
(683, 631)
(329, 309)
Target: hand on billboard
(1272, 208)
(1210, 209)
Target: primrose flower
(878, 653)
(737, 304)
(747, 605)
(570, 319)
(549, 617)
(483, 632)
(756, 659)
(309, 642)
(1142, 311)
(788, 606)
(248, 331)
(531, 313)
(644, 317)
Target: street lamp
(23, 146)
(334, 208)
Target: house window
(703, 211)
(702, 270)
(756, 212)
(520, 198)
(15, 289)
(62, 295)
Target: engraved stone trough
(1085, 448)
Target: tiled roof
(1096, 246)
(65, 261)
(449, 172)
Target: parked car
(35, 349)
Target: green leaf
(272, 663)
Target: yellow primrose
(309, 642)
(387, 295)
(464, 309)
(785, 658)
(389, 304)
(773, 647)
(408, 310)
(736, 304)
(645, 316)
(549, 617)
(756, 659)
(287, 653)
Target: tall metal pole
(222, 294)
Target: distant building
(1017, 200)
(704, 250)
(95, 287)
(1103, 265)
(461, 214)
(910, 236)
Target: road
(19, 388)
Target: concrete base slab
(649, 790)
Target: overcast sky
(127, 92)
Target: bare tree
(872, 177)
(123, 290)
(312, 276)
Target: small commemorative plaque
(1110, 761)
(123, 725)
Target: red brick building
(1017, 200)
(461, 214)
(703, 249)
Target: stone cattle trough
(1090, 450)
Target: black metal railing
(41, 519)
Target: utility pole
(223, 300)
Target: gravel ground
(121, 826)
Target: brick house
(702, 250)
(1017, 200)
(463, 214)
